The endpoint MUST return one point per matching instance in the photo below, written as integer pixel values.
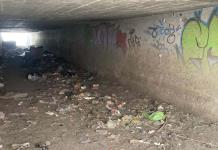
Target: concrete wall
(173, 57)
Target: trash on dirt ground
(20, 103)
(160, 108)
(1, 146)
(29, 124)
(89, 97)
(43, 145)
(95, 86)
(151, 131)
(64, 91)
(83, 87)
(2, 115)
(33, 77)
(51, 113)
(137, 141)
(85, 140)
(64, 110)
(20, 146)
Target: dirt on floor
(47, 104)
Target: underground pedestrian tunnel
(163, 49)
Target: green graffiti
(200, 42)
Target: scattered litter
(160, 108)
(151, 131)
(157, 144)
(20, 103)
(43, 145)
(51, 113)
(33, 77)
(156, 116)
(83, 87)
(136, 141)
(85, 140)
(64, 91)
(20, 146)
(64, 110)
(29, 124)
(89, 98)
(95, 86)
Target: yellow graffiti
(200, 43)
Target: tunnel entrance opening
(21, 39)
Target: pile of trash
(39, 62)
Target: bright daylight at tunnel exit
(108, 75)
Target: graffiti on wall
(164, 35)
(121, 40)
(199, 40)
(134, 41)
(163, 29)
(110, 36)
(107, 36)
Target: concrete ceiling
(41, 14)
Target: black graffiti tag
(161, 30)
